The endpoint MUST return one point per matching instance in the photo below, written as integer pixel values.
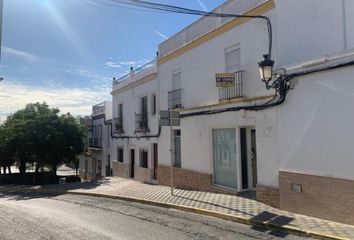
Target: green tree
(38, 135)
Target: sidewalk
(219, 205)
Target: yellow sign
(225, 79)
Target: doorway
(132, 162)
(155, 160)
(225, 158)
(248, 157)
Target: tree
(38, 135)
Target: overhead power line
(182, 10)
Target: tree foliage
(38, 135)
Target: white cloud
(126, 64)
(202, 5)
(18, 53)
(113, 64)
(78, 101)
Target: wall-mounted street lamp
(266, 69)
(280, 83)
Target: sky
(67, 52)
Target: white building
(219, 149)
(295, 155)
(136, 130)
(96, 161)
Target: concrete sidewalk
(232, 208)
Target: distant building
(96, 160)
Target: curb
(205, 212)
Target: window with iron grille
(175, 96)
(232, 65)
(141, 119)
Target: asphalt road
(27, 216)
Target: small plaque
(295, 187)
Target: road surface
(27, 216)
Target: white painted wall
(131, 105)
(199, 66)
(307, 29)
(315, 133)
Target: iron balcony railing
(141, 122)
(95, 142)
(175, 99)
(232, 92)
(118, 125)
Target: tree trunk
(35, 173)
(54, 169)
(9, 168)
(22, 167)
(76, 169)
(4, 169)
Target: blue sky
(66, 52)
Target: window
(153, 104)
(144, 158)
(118, 122)
(233, 59)
(120, 154)
(143, 102)
(175, 96)
(99, 136)
(120, 110)
(108, 143)
(177, 148)
(176, 80)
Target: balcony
(141, 122)
(175, 99)
(98, 109)
(95, 142)
(135, 75)
(118, 125)
(232, 92)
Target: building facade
(96, 162)
(295, 155)
(223, 150)
(135, 124)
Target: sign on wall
(225, 79)
(169, 118)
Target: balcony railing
(98, 109)
(232, 92)
(135, 75)
(118, 125)
(95, 142)
(141, 122)
(175, 99)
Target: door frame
(238, 156)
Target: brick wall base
(322, 197)
(189, 180)
(268, 195)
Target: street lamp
(266, 68)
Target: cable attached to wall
(282, 85)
